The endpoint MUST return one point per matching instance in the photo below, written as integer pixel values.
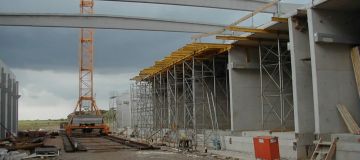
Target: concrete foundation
(244, 143)
(347, 147)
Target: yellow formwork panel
(180, 55)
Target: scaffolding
(276, 85)
(181, 86)
(173, 102)
(141, 109)
(189, 90)
(159, 104)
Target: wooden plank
(238, 38)
(332, 150)
(348, 119)
(355, 57)
(252, 30)
(279, 19)
(314, 155)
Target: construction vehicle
(86, 116)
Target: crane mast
(86, 116)
(86, 102)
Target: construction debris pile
(28, 144)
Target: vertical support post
(184, 94)
(227, 93)
(176, 108)
(16, 107)
(281, 88)
(9, 101)
(154, 103)
(261, 88)
(161, 106)
(194, 101)
(214, 78)
(168, 90)
(203, 104)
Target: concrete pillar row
(9, 96)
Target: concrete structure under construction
(9, 95)
(285, 79)
(123, 114)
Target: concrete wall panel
(332, 73)
(244, 90)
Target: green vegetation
(40, 124)
(54, 124)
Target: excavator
(86, 118)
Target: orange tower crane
(86, 115)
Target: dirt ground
(132, 155)
(126, 154)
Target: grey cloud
(57, 49)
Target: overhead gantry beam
(103, 22)
(243, 5)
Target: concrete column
(332, 73)
(302, 84)
(9, 102)
(244, 82)
(14, 106)
(2, 103)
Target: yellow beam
(279, 19)
(240, 38)
(252, 30)
(249, 15)
(180, 55)
(183, 52)
(149, 70)
(237, 38)
(205, 46)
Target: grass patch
(39, 124)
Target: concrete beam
(243, 5)
(103, 22)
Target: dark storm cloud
(57, 48)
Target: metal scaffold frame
(276, 85)
(142, 108)
(189, 99)
(211, 108)
(173, 97)
(208, 100)
(200, 91)
(160, 107)
(177, 83)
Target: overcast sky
(45, 60)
